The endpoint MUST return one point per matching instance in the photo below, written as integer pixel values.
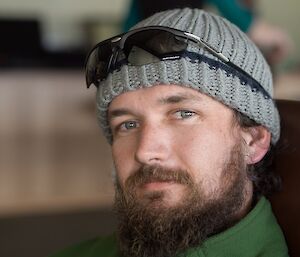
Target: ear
(257, 142)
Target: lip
(157, 185)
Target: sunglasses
(153, 44)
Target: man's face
(174, 128)
(181, 170)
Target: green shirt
(258, 234)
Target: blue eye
(184, 114)
(129, 125)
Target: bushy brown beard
(147, 228)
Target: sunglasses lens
(150, 46)
(97, 64)
(140, 48)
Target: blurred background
(55, 166)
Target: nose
(154, 145)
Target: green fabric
(258, 234)
(133, 16)
(233, 10)
(97, 247)
(236, 12)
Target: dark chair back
(286, 204)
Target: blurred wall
(287, 15)
(64, 9)
(59, 16)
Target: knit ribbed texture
(209, 79)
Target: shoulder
(97, 247)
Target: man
(185, 99)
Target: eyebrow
(178, 98)
(117, 113)
(172, 99)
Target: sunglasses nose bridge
(115, 40)
(115, 51)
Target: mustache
(155, 173)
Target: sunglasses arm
(209, 48)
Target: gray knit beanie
(212, 80)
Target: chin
(163, 198)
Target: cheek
(205, 153)
(123, 160)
